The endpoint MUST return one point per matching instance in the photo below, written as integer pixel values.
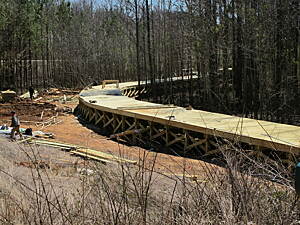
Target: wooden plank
(196, 144)
(158, 134)
(90, 156)
(58, 144)
(108, 122)
(104, 155)
(118, 126)
(92, 117)
(98, 120)
(176, 140)
(145, 107)
(254, 132)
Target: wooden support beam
(108, 122)
(136, 127)
(141, 125)
(92, 116)
(185, 140)
(87, 112)
(131, 126)
(118, 126)
(136, 92)
(129, 132)
(206, 143)
(197, 143)
(123, 123)
(151, 129)
(106, 116)
(114, 123)
(130, 92)
(213, 143)
(100, 118)
(167, 135)
(176, 140)
(160, 133)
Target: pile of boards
(83, 151)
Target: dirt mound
(28, 110)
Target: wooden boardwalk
(177, 125)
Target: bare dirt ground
(43, 185)
(37, 181)
(70, 130)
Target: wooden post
(167, 135)
(135, 127)
(123, 123)
(185, 140)
(206, 143)
(115, 124)
(151, 130)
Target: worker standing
(31, 92)
(15, 124)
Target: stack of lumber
(83, 151)
(90, 153)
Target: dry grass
(122, 194)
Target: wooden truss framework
(135, 91)
(165, 90)
(140, 132)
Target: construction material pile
(8, 95)
(82, 151)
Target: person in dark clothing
(15, 124)
(31, 92)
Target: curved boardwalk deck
(177, 126)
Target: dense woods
(245, 53)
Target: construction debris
(101, 155)
(56, 91)
(64, 109)
(49, 122)
(27, 95)
(54, 144)
(85, 152)
(91, 157)
(8, 96)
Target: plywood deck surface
(257, 132)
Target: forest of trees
(246, 53)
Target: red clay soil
(27, 111)
(71, 131)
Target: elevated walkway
(181, 128)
